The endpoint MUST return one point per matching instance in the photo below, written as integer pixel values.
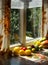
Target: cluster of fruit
(37, 45)
(26, 51)
(22, 51)
(35, 48)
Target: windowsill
(29, 41)
(14, 45)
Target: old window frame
(23, 26)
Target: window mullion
(23, 26)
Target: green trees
(33, 23)
(14, 27)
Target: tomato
(22, 52)
(27, 52)
(23, 48)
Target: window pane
(34, 21)
(14, 26)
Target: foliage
(32, 23)
(14, 27)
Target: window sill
(29, 41)
(14, 45)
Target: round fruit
(23, 48)
(27, 52)
(22, 52)
(32, 46)
(37, 48)
(37, 43)
(16, 50)
(33, 49)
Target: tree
(14, 27)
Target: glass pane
(34, 22)
(14, 26)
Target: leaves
(33, 20)
(14, 27)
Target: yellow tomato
(21, 52)
(37, 43)
(16, 50)
(27, 52)
(33, 49)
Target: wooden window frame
(23, 24)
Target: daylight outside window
(33, 20)
(14, 27)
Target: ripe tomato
(23, 48)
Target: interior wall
(46, 16)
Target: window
(34, 22)
(26, 23)
(14, 27)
